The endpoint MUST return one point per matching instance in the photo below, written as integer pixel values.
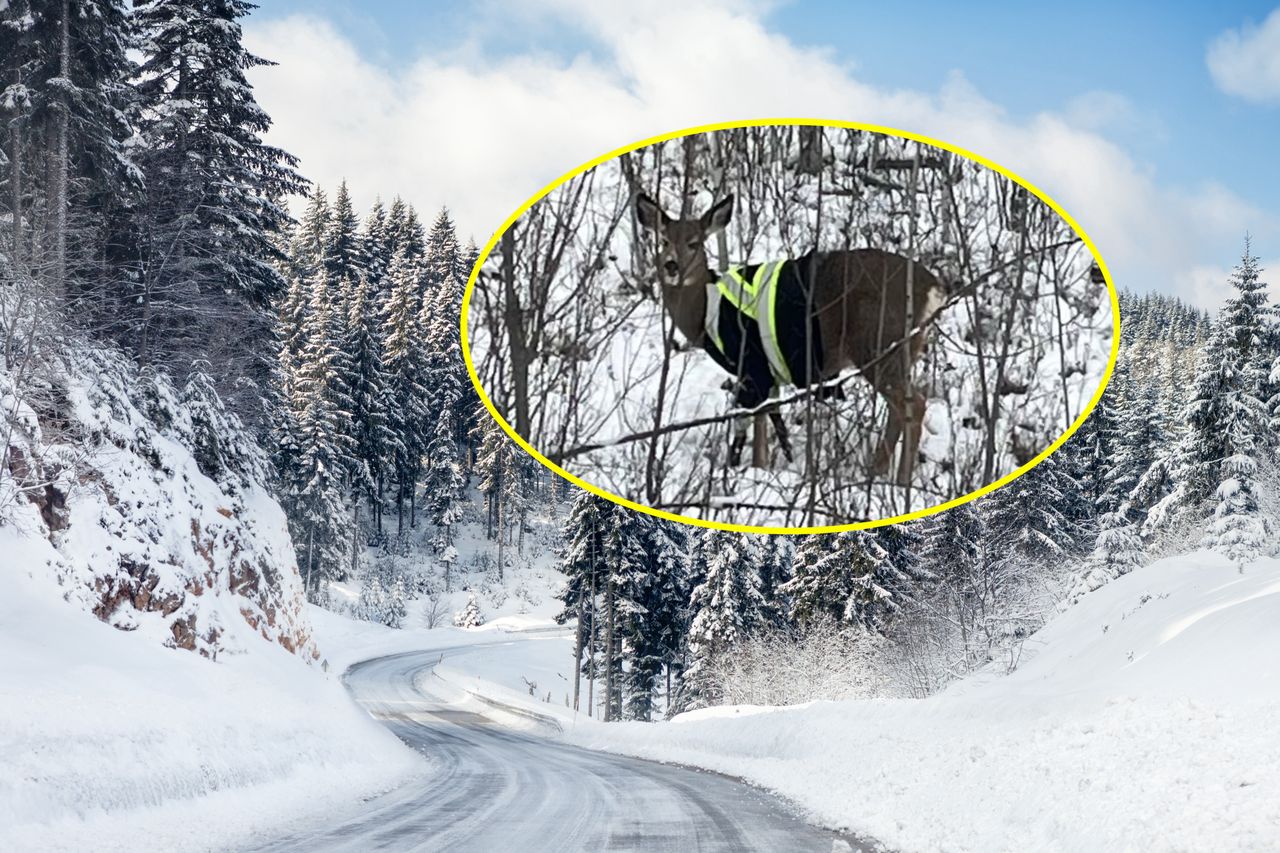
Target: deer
(848, 308)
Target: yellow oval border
(834, 528)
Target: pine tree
(658, 640)
(504, 473)
(1227, 420)
(407, 392)
(443, 262)
(343, 248)
(1025, 524)
(1095, 446)
(70, 175)
(366, 385)
(775, 569)
(1140, 441)
(316, 478)
(1117, 552)
(581, 560)
(202, 133)
(727, 608)
(470, 615)
(307, 238)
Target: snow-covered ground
(1144, 718)
(109, 741)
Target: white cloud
(1246, 62)
(483, 137)
(1207, 285)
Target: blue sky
(1131, 81)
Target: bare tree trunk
(62, 158)
(502, 530)
(355, 533)
(311, 556)
(514, 318)
(577, 649)
(591, 637)
(609, 685)
(15, 183)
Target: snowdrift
(1143, 718)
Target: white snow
(1147, 717)
(109, 741)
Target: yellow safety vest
(756, 299)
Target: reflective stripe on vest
(757, 300)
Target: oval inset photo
(790, 327)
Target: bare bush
(791, 666)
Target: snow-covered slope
(109, 741)
(1143, 718)
(134, 531)
(152, 503)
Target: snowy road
(493, 788)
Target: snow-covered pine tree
(1140, 441)
(470, 615)
(1026, 526)
(901, 574)
(1117, 552)
(775, 568)
(442, 259)
(955, 551)
(344, 250)
(504, 473)
(1094, 447)
(1227, 423)
(580, 560)
(403, 356)
(953, 545)
(664, 628)
(451, 393)
(70, 173)
(212, 222)
(628, 576)
(305, 257)
(367, 387)
(316, 481)
(377, 249)
(201, 132)
(848, 576)
(727, 608)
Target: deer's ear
(649, 214)
(718, 216)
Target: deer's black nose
(672, 269)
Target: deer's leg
(784, 434)
(739, 441)
(914, 424)
(896, 401)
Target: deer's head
(682, 243)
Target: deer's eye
(693, 244)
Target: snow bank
(1144, 718)
(111, 742)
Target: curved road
(492, 788)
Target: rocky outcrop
(157, 528)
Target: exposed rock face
(154, 499)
